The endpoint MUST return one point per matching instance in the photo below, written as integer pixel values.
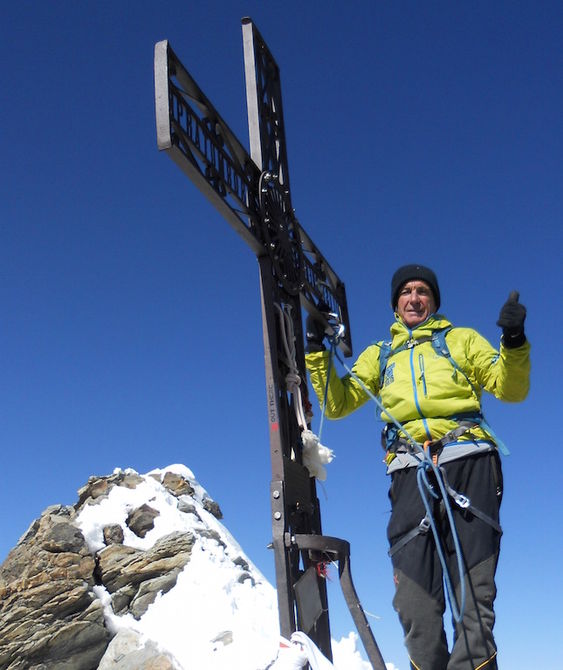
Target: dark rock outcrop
(135, 577)
(50, 615)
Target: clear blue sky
(130, 334)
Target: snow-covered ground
(222, 612)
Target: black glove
(315, 331)
(511, 320)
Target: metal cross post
(252, 193)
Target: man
(429, 380)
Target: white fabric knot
(315, 455)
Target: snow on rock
(221, 612)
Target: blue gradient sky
(130, 334)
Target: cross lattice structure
(252, 192)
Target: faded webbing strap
(463, 502)
(422, 528)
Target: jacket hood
(401, 333)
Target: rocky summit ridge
(96, 586)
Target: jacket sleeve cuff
(314, 347)
(514, 341)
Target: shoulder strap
(385, 352)
(439, 344)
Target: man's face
(415, 303)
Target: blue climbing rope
(425, 488)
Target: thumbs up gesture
(511, 320)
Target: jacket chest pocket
(436, 378)
(422, 374)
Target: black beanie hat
(407, 273)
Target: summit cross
(252, 192)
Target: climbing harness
(394, 444)
(315, 455)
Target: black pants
(419, 596)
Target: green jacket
(421, 388)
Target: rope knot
(293, 380)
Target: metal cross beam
(252, 193)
